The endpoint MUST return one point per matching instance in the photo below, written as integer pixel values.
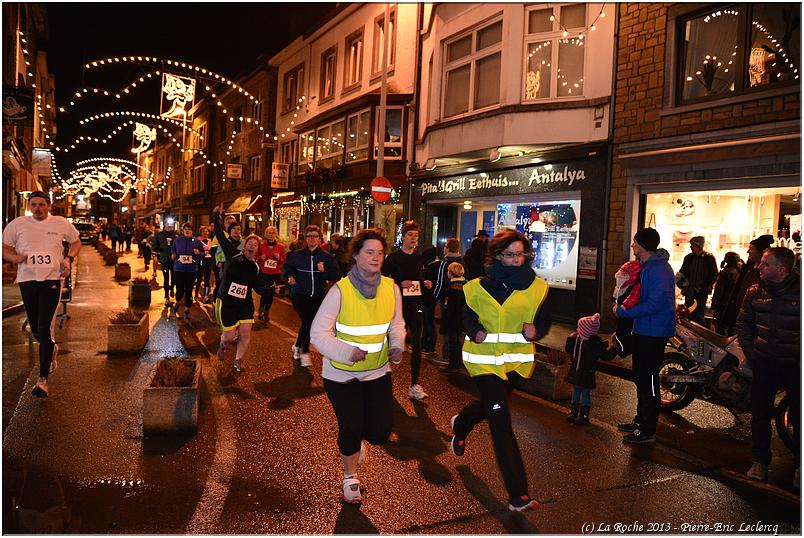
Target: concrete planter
(171, 409)
(122, 271)
(127, 338)
(110, 257)
(548, 382)
(139, 294)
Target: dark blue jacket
(302, 265)
(184, 246)
(655, 313)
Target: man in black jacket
(769, 330)
(700, 268)
(749, 275)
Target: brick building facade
(705, 144)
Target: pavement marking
(210, 505)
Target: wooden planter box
(171, 409)
(110, 257)
(547, 382)
(128, 339)
(139, 294)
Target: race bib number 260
(237, 290)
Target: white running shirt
(41, 242)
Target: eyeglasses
(512, 255)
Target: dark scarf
(518, 278)
(366, 286)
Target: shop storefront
(558, 203)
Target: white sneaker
(351, 491)
(53, 362)
(296, 352)
(40, 389)
(416, 392)
(304, 360)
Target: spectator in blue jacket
(307, 270)
(186, 252)
(654, 318)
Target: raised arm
(228, 249)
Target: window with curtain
(554, 63)
(354, 59)
(472, 69)
(328, 63)
(293, 88)
(379, 36)
(733, 48)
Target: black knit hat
(763, 241)
(647, 238)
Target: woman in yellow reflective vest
(358, 329)
(503, 316)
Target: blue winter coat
(302, 265)
(655, 313)
(182, 246)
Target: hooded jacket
(769, 324)
(655, 313)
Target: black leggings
(41, 300)
(412, 312)
(203, 274)
(267, 299)
(306, 307)
(169, 283)
(184, 281)
(364, 411)
(493, 407)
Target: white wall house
(326, 119)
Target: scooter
(699, 362)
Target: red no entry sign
(381, 189)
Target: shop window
(353, 68)
(357, 134)
(328, 64)
(306, 152)
(727, 219)
(293, 88)
(472, 67)
(554, 63)
(730, 49)
(254, 168)
(379, 36)
(392, 145)
(329, 145)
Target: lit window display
(727, 219)
(552, 228)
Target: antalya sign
(538, 178)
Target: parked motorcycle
(699, 362)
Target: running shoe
(758, 472)
(221, 354)
(238, 366)
(416, 392)
(304, 360)
(296, 352)
(40, 389)
(522, 504)
(628, 427)
(458, 446)
(637, 437)
(54, 363)
(351, 491)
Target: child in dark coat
(586, 347)
(451, 319)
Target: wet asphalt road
(265, 459)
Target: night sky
(226, 38)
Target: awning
(256, 205)
(240, 204)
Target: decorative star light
(179, 91)
(144, 135)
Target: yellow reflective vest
(505, 348)
(364, 323)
